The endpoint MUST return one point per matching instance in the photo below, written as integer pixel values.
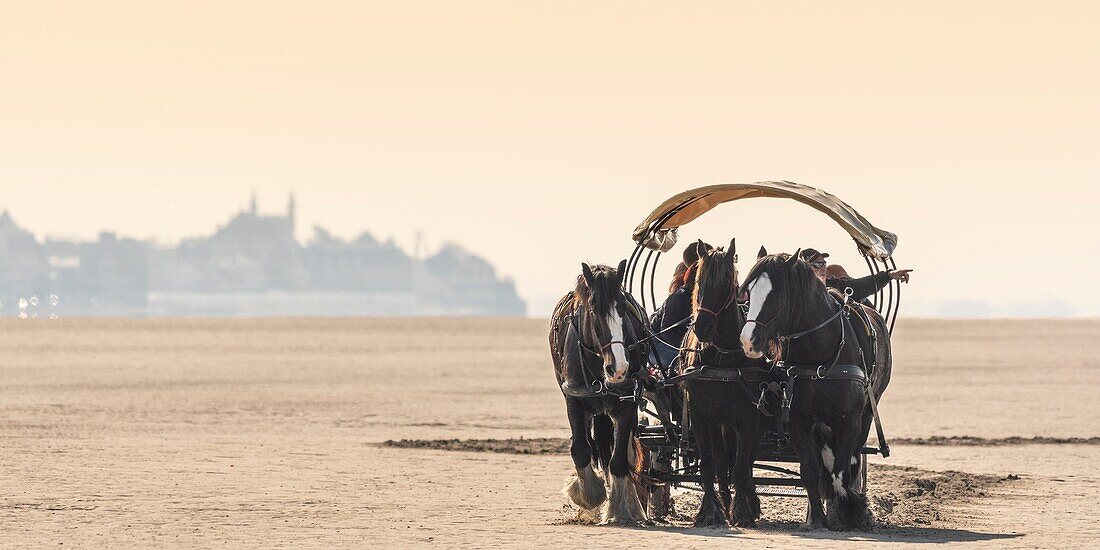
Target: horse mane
(715, 270)
(800, 283)
(766, 264)
(603, 299)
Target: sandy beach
(270, 433)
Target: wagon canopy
(658, 230)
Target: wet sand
(268, 433)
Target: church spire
(252, 204)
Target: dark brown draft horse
(836, 356)
(595, 336)
(723, 393)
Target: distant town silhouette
(251, 266)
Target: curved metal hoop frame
(887, 300)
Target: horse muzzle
(615, 375)
(751, 342)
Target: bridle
(771, 333)
(781, 340)
(729, 301)
(598, 349)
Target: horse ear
(700, 249)
(763, 252)
(589, 279)
(794, 257)
(733, 246)
(620, 273)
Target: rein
(653, 335)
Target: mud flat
(270, 433)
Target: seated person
(676, 308)
(834, 276)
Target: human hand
(900, 275)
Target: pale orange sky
(539, 134)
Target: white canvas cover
(685, 207)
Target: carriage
(665, 435)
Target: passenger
(834, 276)
(676, 308)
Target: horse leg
(810, 469)
(603, 435)
(847, 506)
(746, 505)
(623, 505)
(858, 458)
(583, 487)
(724, 449)
(710, 510)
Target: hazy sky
(539, 134)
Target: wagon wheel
(658, 499)
(659, 505)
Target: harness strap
(726, 374)
(580, 336)
(837, 372)
(819, 326)
(834, 372)
(598, 388)
(861, 315)
(883, 446)
(742, 376)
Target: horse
(595, 341)
(722, 399)
(807, 332)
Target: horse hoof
(710, 520)
(619, 522)
(623, 507)
(711, 524)
(585, 489)
(807, 527)
(745, 512)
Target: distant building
(24, 267)
(251, 266)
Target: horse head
(777, 286)
(715, 289)
(600, 291)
